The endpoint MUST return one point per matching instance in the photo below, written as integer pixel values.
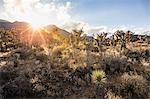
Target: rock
(3, 63)
(37, 62)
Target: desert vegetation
(75, 66)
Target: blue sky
(110, 12)
(113, 12)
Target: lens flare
(36, 26)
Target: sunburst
(36, 33)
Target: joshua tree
(128, 36)
(120, 35)
(139, 37)
(117, 35)
(113, 41)
(102, 38)
(75, 37)
(147, 39)
(99, 42)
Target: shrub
(130, 86)
(115, 65)
(97, 75)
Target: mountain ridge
(21, 26)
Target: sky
(114, 12)
(95, 15)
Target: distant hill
(21, 26)
(49, 32)
(147, 32)
(5, 24)
(1, 20)
(15, 25)
(55, 29)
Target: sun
(36, 26)
(37, 23)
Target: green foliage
(98, 75)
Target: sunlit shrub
(97, 75)
(110, 95)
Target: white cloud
(35, 11)
(93, 30)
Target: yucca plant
(97, 75)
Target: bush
(97, 75)
(130, 86)
(115, 65)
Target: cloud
(93, 30)
(54, 12)
(37, 12)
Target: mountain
(5, 24)
(57, 30)
(146, 32)
(1, 20)
(43, 35)
(21, 26)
